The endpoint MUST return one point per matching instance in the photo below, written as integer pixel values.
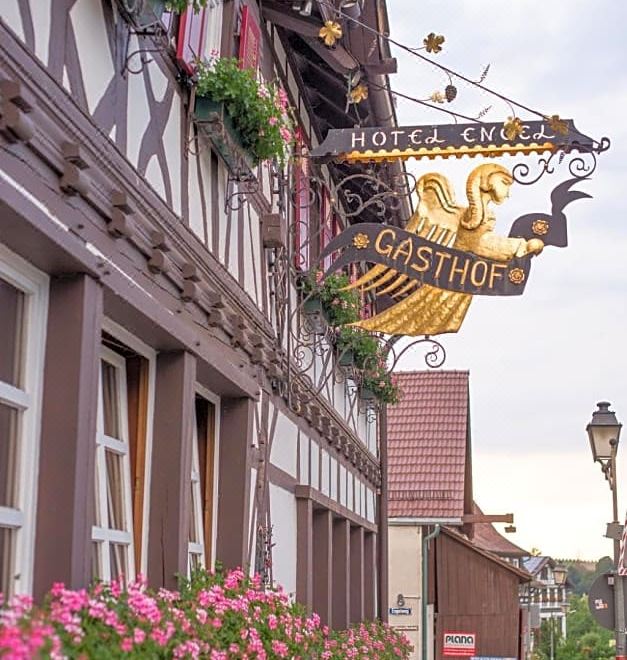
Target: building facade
(153, 415)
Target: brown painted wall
(475, 595)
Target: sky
(538, 362)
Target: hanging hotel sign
(444, 140)
(427, 274)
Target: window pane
(9, 420)
(110, 400)
(7, 559)
(115, 490)
(12, 304)
(118, 555)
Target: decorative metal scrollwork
(582, 162)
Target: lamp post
(559, 579)
(560, 574)
(604, 434)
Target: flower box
(367, 395)
(346, 358)
(144, 14)
(214, 122)
(316, 318)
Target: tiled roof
(427, 445)
(487, 537)
(535, 564)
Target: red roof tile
(486, 536)
(427, 434)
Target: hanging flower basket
(367, 395)
(314, 311)
(144, 13)
(346, 358)
(215, 123)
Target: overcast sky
(539, 362)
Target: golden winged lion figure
(427, 310)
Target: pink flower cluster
(213, 615)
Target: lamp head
(603, 432)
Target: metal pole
(619, 598)
(425, 589)
(552, 637)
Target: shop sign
(459, 644)
(430, 141)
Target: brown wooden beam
(483, 518)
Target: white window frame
(102, 534)
(35, 285)
(150, 355)
(197, 515)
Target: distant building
(470, 588)
(551, 598)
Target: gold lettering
(459, 271)
(358, 138)
(494, 274)
(425, 260)
(385, 250)
(403, 249)
(473, 273)
(441, 256)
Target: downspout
(382, 536)
(425, 587)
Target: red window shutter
(249, 40)
(302, 201)
(190, 38)
(327, 224)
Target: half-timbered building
(162, 405)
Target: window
(24, 307)
(203, 482)
(123, 442)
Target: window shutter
(250, 37)
(190, 38)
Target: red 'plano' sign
(460, 644)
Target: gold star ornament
(359, 93)
(433, 42)
(512, 128)
(361, 241)
(557, 125)
(330, 32)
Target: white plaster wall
(285, 445)
(370, 505)
(342, 489)
(315, 465)
(93, 49)
(138, 114)
(195, 200)
(283, 516)
(304, 459)
(324, 472)
(404, 577)
(350, 491)
(172, 142)
(10, 14)
(333, 489)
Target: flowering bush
(213, 616)
(259, 111)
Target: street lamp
(604, 435)
(559, 575)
